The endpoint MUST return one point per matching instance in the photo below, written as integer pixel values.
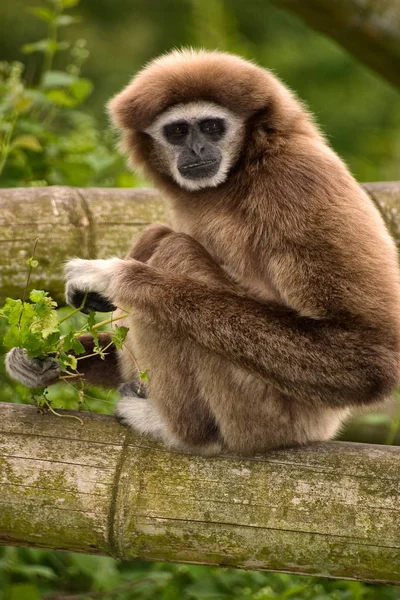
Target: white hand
(90, 276)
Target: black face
(198, 144)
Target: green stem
(75, 311)
(48, 406)
(101, 324)
(95, 353)
(108, 321)
(28, 277)
(52, 38)
(6, 147)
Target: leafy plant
(45, 136)
(36, 327)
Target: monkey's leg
(39, 373)
(175, 409)
(96, 371)
(175, 391)
(202, 398)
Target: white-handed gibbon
(271, 307)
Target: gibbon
(271, 306)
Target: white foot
(141, 415)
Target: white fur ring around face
(90, 276)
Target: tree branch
(367, 29)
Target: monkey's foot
(133, 389)
(140, 414)
(36, 373)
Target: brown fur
(274, 309)
(101, 372)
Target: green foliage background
(53, 130)
(358, 111)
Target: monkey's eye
(213, 126)
(179, 129)
(176, 131)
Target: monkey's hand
(91, 277)
(36, 373)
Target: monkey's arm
(38, 373)
(335, 361)
(325, 360)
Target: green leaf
(91, 322)
(118, 335)
(38, 295)
(12, 338)
(55, 79)
(12, 310)
(67, 361)
(33, 326)
(73, 362)
(45, 325)
(65, 20)
(144, 375)
(45, 320)
(81, 89)
(75, 91)
(23, 104)
(44, 14)
(40, 100)
(70, 342)
(61, 98)
(32, 262)
(46, 46)
(39, 46)
(29, 142)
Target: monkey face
(197, 143)
(198, 146)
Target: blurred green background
(61, 61)
(359, 112)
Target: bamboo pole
(85, 222)
(326, 509)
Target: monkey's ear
(120, 109)
(136, 106)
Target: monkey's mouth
(199, 169)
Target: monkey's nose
(198, 148)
